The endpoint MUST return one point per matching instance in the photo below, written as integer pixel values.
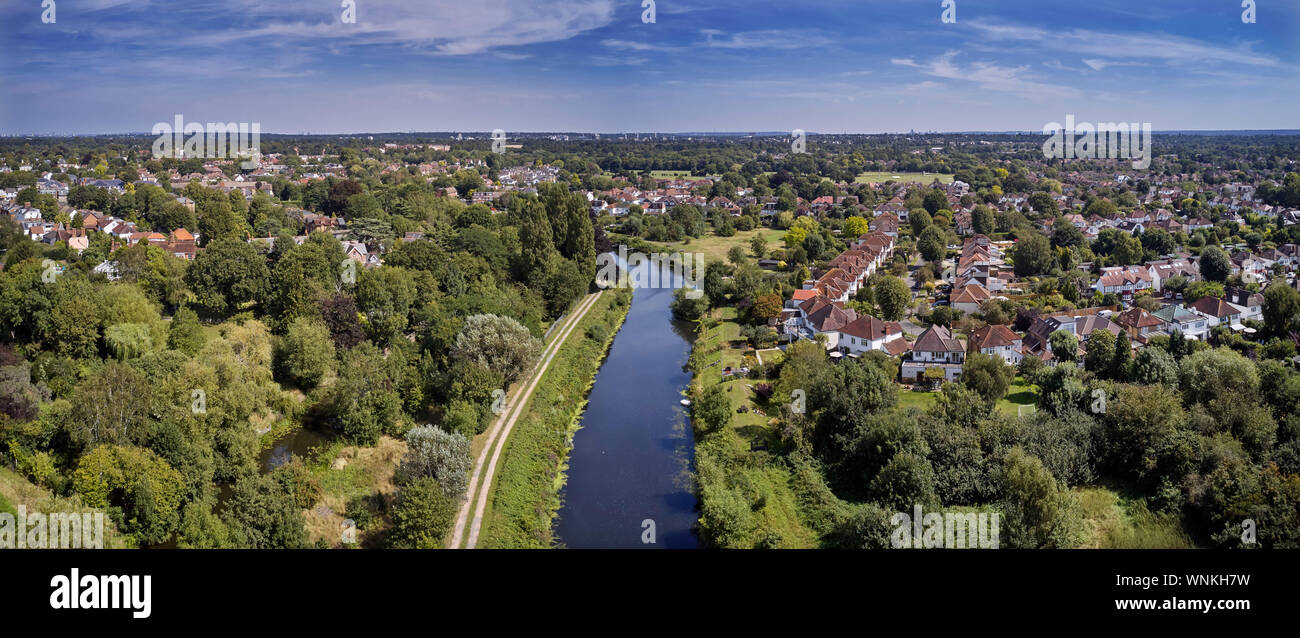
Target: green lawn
(1020, 393)
(715, 248)
(923, 178)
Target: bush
(598, 332)
(439, 455)
(422, 515)
(299, 482)
(463, 418)
(362, 510)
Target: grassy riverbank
(748, 497)
(525, 494)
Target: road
(478, 492)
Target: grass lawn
(715, 248)
(923, 178)
(1018, 394)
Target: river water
(631, 460)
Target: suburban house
(1080, 323)
(1161, 271)
(887, 224)
(1191, 324)
(1219, 312)
(999, 341)
(1251, 302)
(1140, 324)
(868, 333)
(935, 348)
(970, 297)
(1123, 281)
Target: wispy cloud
(1123, 46)
(989, 76)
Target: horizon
(617, 135)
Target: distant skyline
(836, 66)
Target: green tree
(1099, 352)
(1032, 255)
(500, 344)
(989, 376)
(854, 227)
(1281, 309)
(906, 481)
(893, 297)
(1038, 513)
(1155, 366)
(442, 456)
(1065, 346)
(228, 274)
(932, 245)
(306, 354)
(422, 515)
(1215, 265)
(713, 409)
(184, 332)
(265, 515)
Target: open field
(715, 248)
(923, 178)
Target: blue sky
(592, 65)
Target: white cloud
(989, 77)
(443, 26)
(1123, 46)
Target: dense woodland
(151, 395)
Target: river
(631, 460)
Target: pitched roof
(971, 293)
(871, 328)
(993, 336)
(1214, 307)
(1138, 318)
(937, 338)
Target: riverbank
(524, 497)
(749, 498)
